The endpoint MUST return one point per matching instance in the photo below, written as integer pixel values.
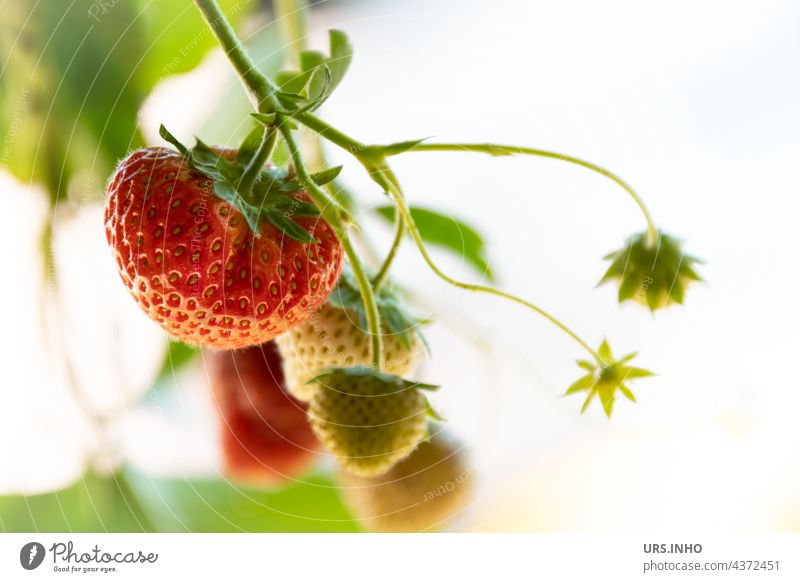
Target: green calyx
(389, 383)
(606, 379)
(394, 318)
(654, 274)
(382, 384)
(259, 192)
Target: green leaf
(401, 147)
(638, 373)
(394, 317)
(265, 119)
(448, 233)
(75, 76)
(308, 504)
(169, 138)
(627, 392)
(605, 351)
(325, 176)
(174, 35)
(585, 383)
(307, 89)
(178, 355)
(94, 503)
(288, 227)
(431, 412)
(249, 146)
(588, 401)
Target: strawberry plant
(227, 249)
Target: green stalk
(330, 214)
(382, 174)
(507, 150)
(260, 87)
(400, 231)
(394, 189)
(263, 90)
(372, 158)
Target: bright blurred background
(697, 104)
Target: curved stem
(330, 214)
(372, 158)
(402, 207)
(400, 230)
(507, 150)
(383, 175)
(261, 88)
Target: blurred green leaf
(178, 355)
(132, 501)
(175, 36)
(448, 233)
(92, 504)
(76, 76)
(213, 505)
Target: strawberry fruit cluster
(307, 351)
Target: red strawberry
(266, 437)
(191, 259)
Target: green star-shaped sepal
(652, 273)
(604, 380)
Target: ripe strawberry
(369, 420)
(215, 268)
(420, 493)
(266, 437)
(332, 337)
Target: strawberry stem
(261, 88)
(330, 214)
(508, 150)
(400, 231)
(263, 92)
(382, 174)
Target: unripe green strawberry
(421, 493)
(369, 420)
(332, 337)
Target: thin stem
(400, 231)
(382, 174)
(330, 214)
(372, 158)
(397, 193)
(332, 134)
(255, 165)
(506, 150)
(259, 85)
